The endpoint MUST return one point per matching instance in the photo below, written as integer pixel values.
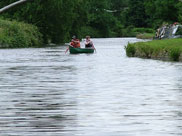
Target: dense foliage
(14, 34)
(58, 20)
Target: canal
(45, 92)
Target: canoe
(80, 50)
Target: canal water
(45, 92)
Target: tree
(12, 5)
(54, 18)
(160, 11)
(100, 19)
(135, 15)
(179, 5)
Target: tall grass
(15, 34)
(170, 49)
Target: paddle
(66, 50)
(94, 48)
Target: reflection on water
(45, 92)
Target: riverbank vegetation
(145, 36)
(58, 20)
(15, 34)
(144, 33)
(170, 49)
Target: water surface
(45, 92)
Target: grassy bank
(140, 33)
(15, 34)
(170, 49)
(145, 36)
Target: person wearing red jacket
(75, 42)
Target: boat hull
(80, 50)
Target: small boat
(80, 50)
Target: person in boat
(157, 33)
(75, 42)
(88, 42)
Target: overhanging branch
(13, 5)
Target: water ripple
(45, 92)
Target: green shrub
(146, 50)
(15, 34)
(130, 50)
(175, 54)
(127, 32)
(143, 30)
(145, 33)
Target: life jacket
(75, 43)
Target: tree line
(58, 20)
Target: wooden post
(13, 5)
